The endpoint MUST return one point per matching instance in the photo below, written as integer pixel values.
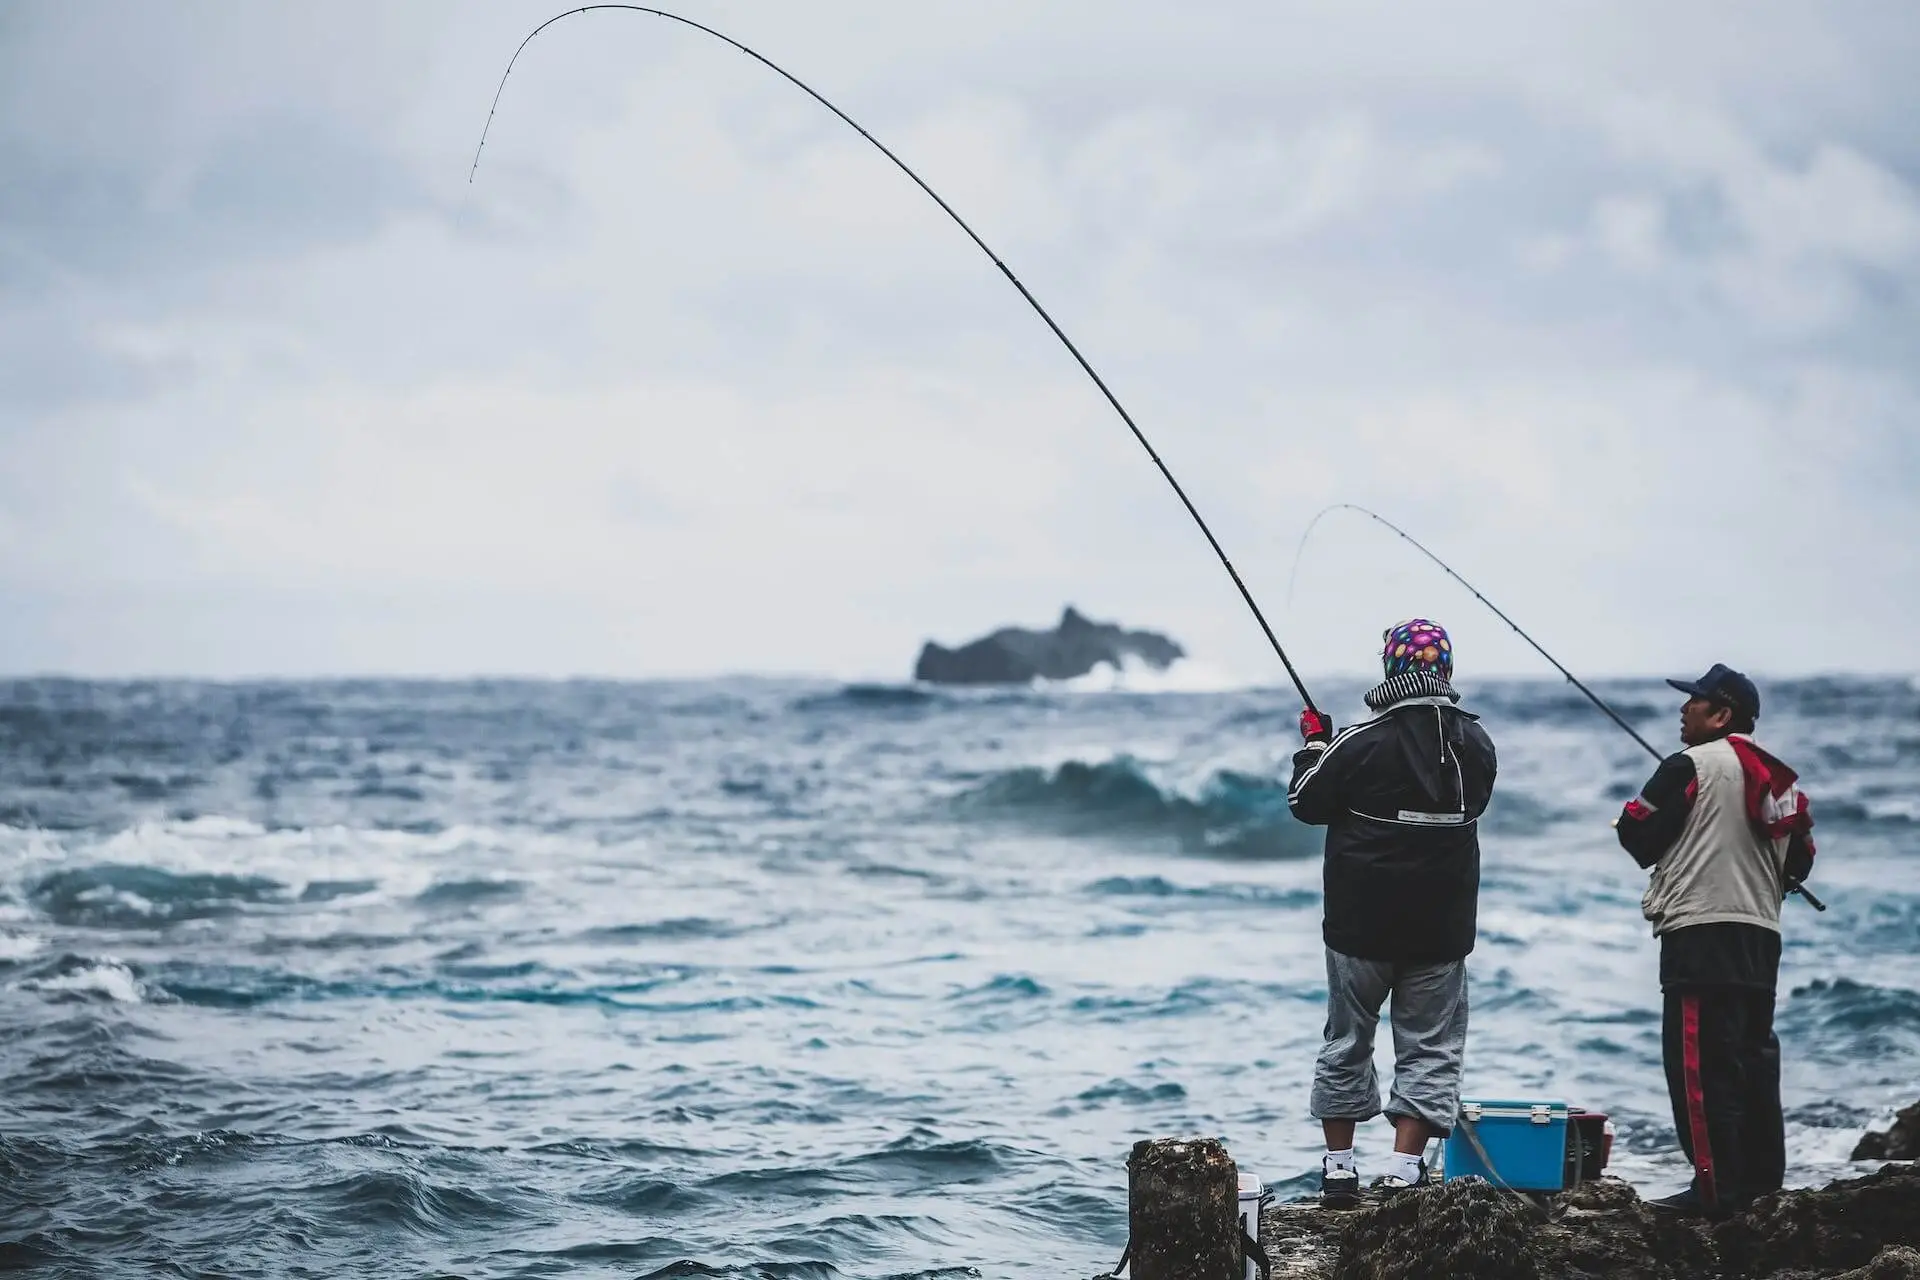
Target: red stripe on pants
(1696, 1097)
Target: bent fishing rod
(1447, 569)
(946, 208)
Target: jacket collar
(1410, 687)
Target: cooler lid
(1513, 1108)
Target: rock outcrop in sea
(1015, 655)
(1901, 1141)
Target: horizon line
(1229, 682)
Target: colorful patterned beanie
(1417, 645)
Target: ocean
(784, 978)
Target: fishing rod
(1448, 570)
(1572, 679)
(946, 208)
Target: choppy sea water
(792, 979)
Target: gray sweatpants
(1429, 1040)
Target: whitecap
(1814, 1145)
(106, 976)
(18, 946)
(1135, 676)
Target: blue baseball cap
(1724, 685)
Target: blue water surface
(786, 978)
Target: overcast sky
(1616, 305)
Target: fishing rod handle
(1807, 893)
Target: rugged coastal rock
(1015, 655)
(1183, 1211)
(1857, 1229)
(1901, 1141)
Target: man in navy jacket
(1401, 797)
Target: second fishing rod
(1599, 702)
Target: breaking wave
(1136, 676)
(117, 896)
(1841, 1019)
(87, 978)
(1231, 813)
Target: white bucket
(1250, 1215)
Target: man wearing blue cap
(1727, 834)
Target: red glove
(1316, 726)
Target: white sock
(1405, 1167)
(1338, 1160)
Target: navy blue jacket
(1401, 797)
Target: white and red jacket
(1726, 830)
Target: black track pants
(1723, 1075)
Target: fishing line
(1572, 679)
(948, 210)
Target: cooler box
(1526, 1141)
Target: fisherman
(1400, 796)
(1728, 834)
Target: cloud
(1793, 243)
(692, 379)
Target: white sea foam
(1822, 1147)
(1135, 676)
(18, 946)
(25, 844)
(105, 976)
(125, 899)
(400, 863)
(1895, 808)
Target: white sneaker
(1391, 1182)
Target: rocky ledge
(1901, 1141)
(1015, 655)
(1858, 1229)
